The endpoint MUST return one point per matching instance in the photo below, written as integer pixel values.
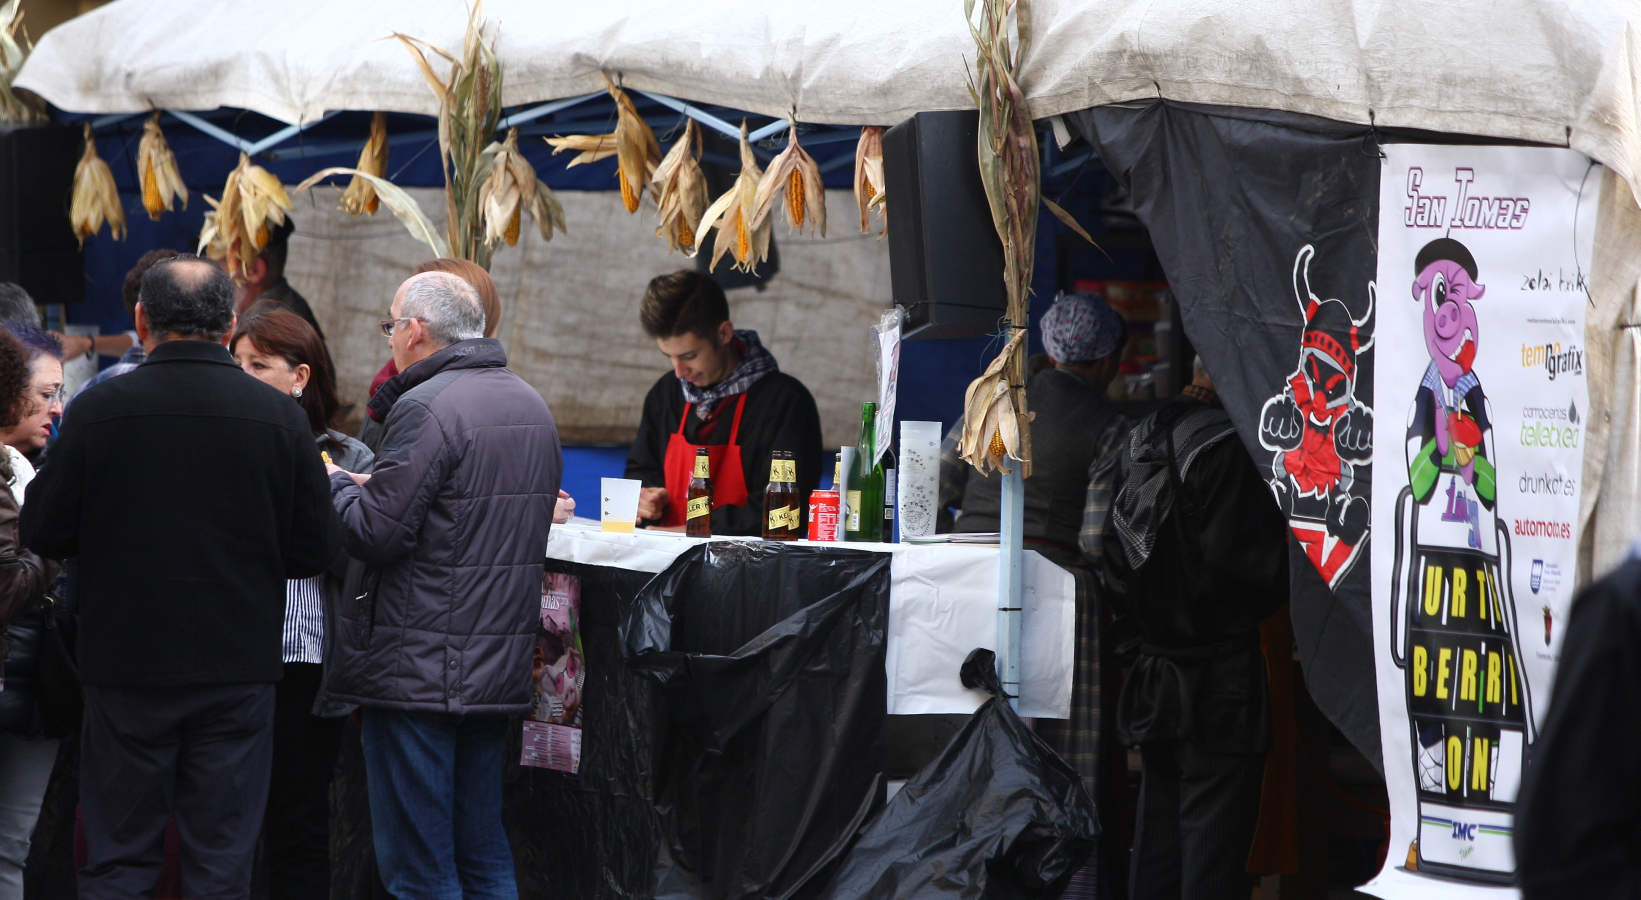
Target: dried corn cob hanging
(633, 144)
(732, 213)
(360, 198)
(511, 188)
(794, 177)
(869, 190)
(13, 50)
(96, 200)
(157, 168)
(991, 422)
(238, 226)
(682, 189)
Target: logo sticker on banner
(1479, 378)
(1321, 432)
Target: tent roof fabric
(1551, 71)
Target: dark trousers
(297, 825)
(200, 753)
(1197, 812)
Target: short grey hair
(446, 304)
(16, 305)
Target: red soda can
(823, 515)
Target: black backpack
(1153, 568)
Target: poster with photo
(552, 733)
(1480, 402)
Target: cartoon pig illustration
(1453, 619)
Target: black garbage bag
(592, 835)
(997, 814)
(771, 661)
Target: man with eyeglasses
(187, 493)
(452, 524)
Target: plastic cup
(618, 506)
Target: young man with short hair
(726, 393)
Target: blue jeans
(435, 804)
(25, 771)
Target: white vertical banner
(1480, 394)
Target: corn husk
(992, 432)
(360, 198)
(1009, 172)
(401, 204)
(732, 214)
(157, 170)
(681, 190)
(469, 113)
(793, 179)
(511, 189)
(253, 203)
(14, 48)
(633, 144)
(869, 187)
(96, 199)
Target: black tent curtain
(1260, 219)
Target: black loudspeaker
(37, 245)
(945, 260)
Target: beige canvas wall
(570, 323)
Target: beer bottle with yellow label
(698, 511)
(781, 516)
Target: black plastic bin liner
(771, 661)
(996, 815)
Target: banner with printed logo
(1480, 405)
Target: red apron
(728, 478)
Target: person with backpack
(1192, 553)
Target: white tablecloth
(942, 604)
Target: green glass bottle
(865, 483)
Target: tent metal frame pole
(773, 128)
(1011, 583)
(218, 132)
(101, 122)
(249, 148)
(699, 115)
(285, 134)
(543, 110)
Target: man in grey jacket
(452, 525)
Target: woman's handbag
(57, 690)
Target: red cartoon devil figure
(1319, 432)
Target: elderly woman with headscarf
(1073, 427)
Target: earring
(296, 392)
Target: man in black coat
(1578, 815)
(1194, 555)
(188, 492)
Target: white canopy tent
(1549, 71)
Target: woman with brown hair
(31, 379)
(280, 349)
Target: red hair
(475, 275)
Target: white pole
(1010, 583)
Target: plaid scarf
(756, 362)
